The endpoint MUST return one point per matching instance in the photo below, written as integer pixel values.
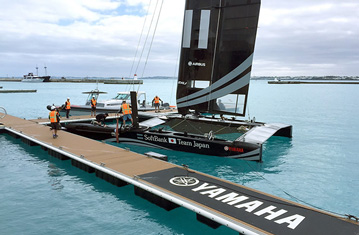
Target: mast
(216, 56)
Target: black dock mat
(261, 211)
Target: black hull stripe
(140, 142)
(253, 154)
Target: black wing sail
(216, 56)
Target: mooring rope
(296, 198)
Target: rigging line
(178, 123)
(153, 36)
(338, 215)
(225, 127)
(290, 195)
(249, 115)
(194, 127)
(139, 41)
(144, 45)
(214, 52)
(259, 197)
(189, 123)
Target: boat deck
(215, 201)
(88, 118)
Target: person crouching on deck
(126, 111)
(54, 117)
(100, 119)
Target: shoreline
(314, 82)
(105, 81)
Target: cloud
(307, 38)
(100, 37)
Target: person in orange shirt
(67, 107)
(126, 111)
(54, 117)
(156, 103)
(93, 106)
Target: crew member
(126, 111)
(156, 103)
(93, 106)
(67, 107)
(100, 118)
(54, 117)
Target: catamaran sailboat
(215, 68)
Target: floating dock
(10, 79)
(313, 82)
(18, 91)
(214, 201)
(105, 81)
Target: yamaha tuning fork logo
(185, 181)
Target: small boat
(112, 105)
(30, 77)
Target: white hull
(32, 80)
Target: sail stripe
(217, 94)
(225, 79)
(186, 41)
(204, 29)
(248, 70)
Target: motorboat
(112, 105)
(30, 77)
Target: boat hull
(171, 141)
(35, 80)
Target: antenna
(45, 69)
(37, 71)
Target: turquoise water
(318, 166)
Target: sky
(102, 38)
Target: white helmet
(53, 107)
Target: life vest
(126, 109)
(93, 102)
(68, 105)
(53, 116)
(157, 100)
